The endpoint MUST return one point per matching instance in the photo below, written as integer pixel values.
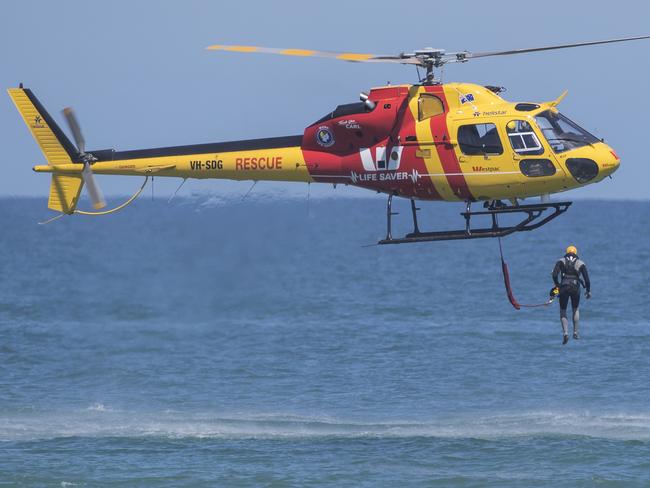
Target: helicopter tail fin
(55, 145)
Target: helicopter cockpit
(561, 133)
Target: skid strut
(389, 218)
(534, 216)
(414, 210)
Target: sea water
(215, 342)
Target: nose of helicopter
(609, 162)
(592, 164)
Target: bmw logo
(324, 136)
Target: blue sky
(138, 75)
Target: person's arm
(585, 278)
(556, 273)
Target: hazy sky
(138, 75)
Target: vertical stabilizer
(56, 147)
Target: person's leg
(575, 304)
(564, 302)
(576, 321)
(565, 324)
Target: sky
(138, 75)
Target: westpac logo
(379, 161)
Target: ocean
(217, 342)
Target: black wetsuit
(568, 274)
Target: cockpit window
(478, 139)
(429, 106)
(345, 110)
(523, 138)
(561, 133)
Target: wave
(100, 421)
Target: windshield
(561, 133)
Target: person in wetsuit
(568, 274)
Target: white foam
(97, 407)
(99, 421)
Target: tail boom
(263, 164)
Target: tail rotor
(94, 192)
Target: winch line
(506, 282)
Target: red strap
(506, 281)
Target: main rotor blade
(427, 57)
(75, 129)
(470, 55)
(344, 56)
(94, 192)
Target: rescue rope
(506, 282)
(104, 212)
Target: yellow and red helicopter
(427, 141)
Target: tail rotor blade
(75, 129)
(95, 194)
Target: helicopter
(428, 141)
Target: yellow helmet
(572, 250)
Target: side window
(429, 106)
(522, 138)
(537, 167)
(479, 139)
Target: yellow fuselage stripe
(431, 160)
(283, 164)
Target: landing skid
(535, 216)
